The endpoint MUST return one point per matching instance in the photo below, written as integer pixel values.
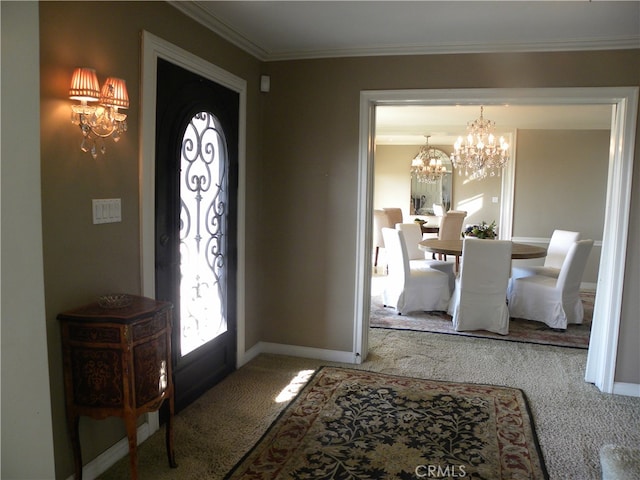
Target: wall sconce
(103, 120)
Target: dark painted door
(196, 224)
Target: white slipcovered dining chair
(554, 301)
(420, 259)
(451, 228)
(479, 301)
(559, 245)
(410, 290)
(394, 214)
(451, 225)
(380, 221)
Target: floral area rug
(520, 330)
(356, 425)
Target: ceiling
(281, 30)
(408, 125)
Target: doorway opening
(608, 303)
(548, 145)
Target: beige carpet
(573, 419)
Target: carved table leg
(169, 434)
(132, 435)
(73, 424)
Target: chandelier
(481, 154)
(103, 120)
(427, 167)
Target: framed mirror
(425, 192)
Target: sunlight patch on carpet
(295, 385)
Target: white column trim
(505, 227)
(603, 346)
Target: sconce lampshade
(84, 85)
(114, 93)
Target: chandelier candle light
(102, 120)
(427, 167)
(481, 154)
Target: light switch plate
(107, 210)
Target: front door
(196, 224)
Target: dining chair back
(559, 245)
(554, 301)
(451, 228)
(394, 215)
(451, 225)
(479, 298)
(380, 221)
(407, 289)
(419, 259)
(412, 237)
(570, 276)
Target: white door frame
(153, 48)
(603, 346)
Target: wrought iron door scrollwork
(202, 223)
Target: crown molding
(195, 11)
(462, 48)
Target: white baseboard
(297, 351)
(628, 389)
(109, 457)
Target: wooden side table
(117, 362)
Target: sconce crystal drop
(103, 120)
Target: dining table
(454, 247)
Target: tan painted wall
(392, 185)
(561, 179)
(391, 178)
(628, 340)
(82, 260)
(312, 150)
(475, 196)
(561, 182)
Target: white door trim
(607, 310)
